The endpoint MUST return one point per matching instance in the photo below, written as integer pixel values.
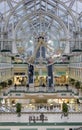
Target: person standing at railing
(27, 86)
(15, 86)
(67, 87)
(42, 117)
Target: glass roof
(8, 5)
(36, 24)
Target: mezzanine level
(57, 91)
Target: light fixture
(50, 41)
(31, 41)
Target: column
(30, 74)
(50, 75)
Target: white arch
(55, 17)
(60, 2)
(49, 14)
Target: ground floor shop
(40, 104)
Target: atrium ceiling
(58, 22)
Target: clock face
(42, 52)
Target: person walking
(27, 86)
(15, 86)
(42, 117)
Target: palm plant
(4, 84)
(71, 81)
(18, 109)
(77, 85)
(65, 109)
(0, 89)
(10, 82)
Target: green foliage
(77, 85)
(3, 84)
(10, 82)
(65, 109)
(18, 109)
(0, 89)
(72, 81)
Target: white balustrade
(51, 117)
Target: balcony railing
(49, 117)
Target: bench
(37, 118)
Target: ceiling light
(31, 41)
(50, 41)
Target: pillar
(30, 74)
(50, 75)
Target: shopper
(15, 86)
(27, 87)
(42, 117)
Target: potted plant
(10, 82)
(4, 84)
(18, 109)
(71, 81)
(0, 89)
(65, 109)
(77, 85)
